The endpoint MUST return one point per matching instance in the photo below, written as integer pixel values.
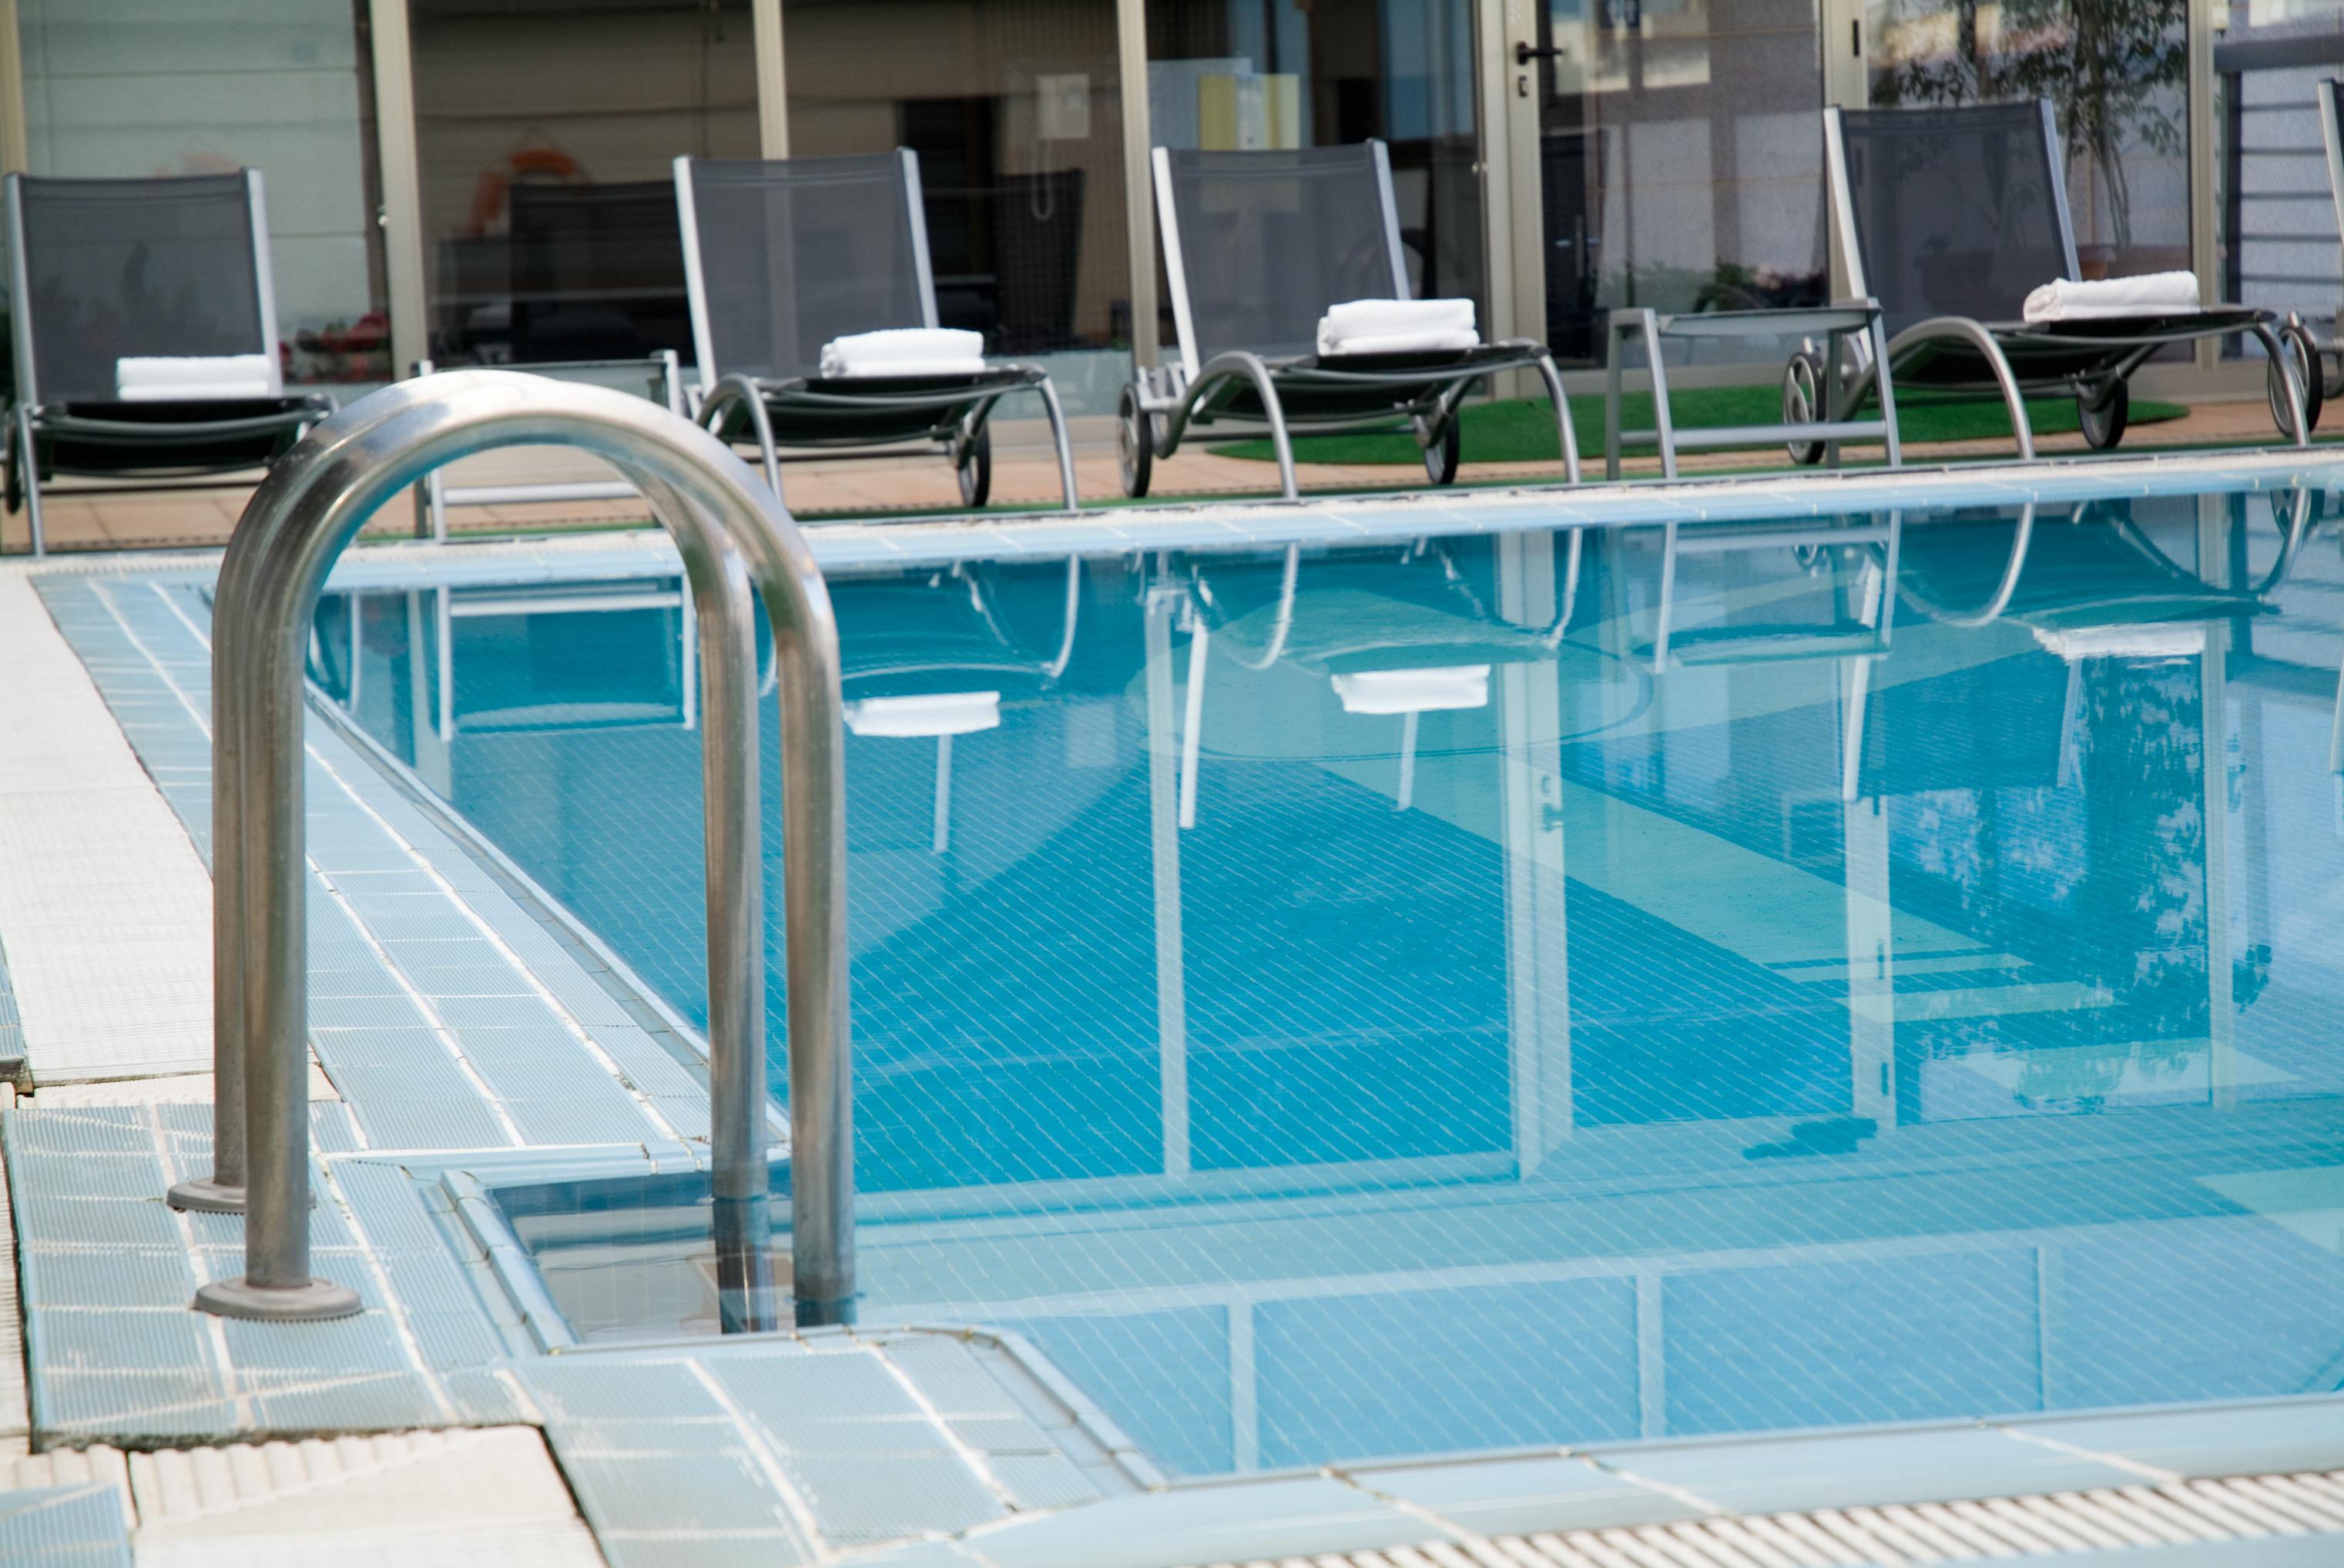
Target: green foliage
(2114, 70)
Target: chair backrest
(1258, 244)
(103, 270)
(783, 257)
(2331, 135)
(596, 269)
(1950, 212)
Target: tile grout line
(392, 1306)
(215, 1327)
(799, 1510)
(976, 1462)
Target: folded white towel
(905, 351)
(1428, 690)
(197, 392)
(1397, 327)
(2156, 294)
(190, 378)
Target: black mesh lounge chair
(1949, 218)
(104, 270)
(781, 259)
(1257, 246)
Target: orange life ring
(493, 194)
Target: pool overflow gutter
(737, 541)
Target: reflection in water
(1563, 986)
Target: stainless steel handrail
(736, 540)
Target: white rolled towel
(905, 351)
(1397, 327)
(2153, 294)
(192, 378)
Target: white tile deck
(106, 905)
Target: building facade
(485, 181)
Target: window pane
(546, 133)
(2115, 71)
(1015, 110)
(1681, 161)
(1230, 75)
(142, 88)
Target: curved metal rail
(736, 540)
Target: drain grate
(2241, 1508)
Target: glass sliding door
(2115, 71)
(1680, 158)
(1239, 74)
(545, 134)
(1015, 110)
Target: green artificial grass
(1521, 429)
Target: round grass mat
(1521, 429)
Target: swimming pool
(1568, 985)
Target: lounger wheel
(976, 468)
(1803, 396)
(2103, 421)
(2311, 373)
(1134, 443)
(1441, 455)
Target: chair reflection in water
(932, 657)
(1387, 644)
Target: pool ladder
(737, 542)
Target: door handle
(1525, 53)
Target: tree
(2112, 69)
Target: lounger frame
(33, 419)
(1239, 393)
(2319, 346)
(945, 416)
(2087, 365)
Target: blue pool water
(1552, 988)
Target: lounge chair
(2314, 349)
(124, 286)
(1857, 637)
(1950, 218)
(1257, 247)
(780, 260)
